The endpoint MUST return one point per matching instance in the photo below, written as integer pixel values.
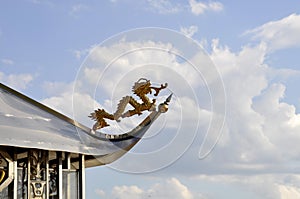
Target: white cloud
(74, 105)
(17, 81)
(260, 133)
(189, 31)
(137, 60)
(171, 7)
(36, 1)
(7, 61)
(57, 88)
(198, 8)
(280, 34)
(126, 192)
(79, 53)
(100, 193)
(267, 186)
(287, 192)
(42, 2)
(75, 9)
(284, 135)
(260, 128)
(82, 52)
(170, 188)
(61, 103)
(164, 6)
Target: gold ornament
(140, 88)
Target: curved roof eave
(27, 123)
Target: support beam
(47, 174)
(28, 176)
(60, 175)
(15, 184)
(68, 167)
(81, 182)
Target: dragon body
(141, 88)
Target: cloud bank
(170, 188)
(16, 81)
(198, 8)
(280, 34)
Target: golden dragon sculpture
(140, 88)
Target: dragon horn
(142, 79)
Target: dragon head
(143, 87)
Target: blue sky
(46, 46)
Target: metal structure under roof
(43, 153)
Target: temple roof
(27, 123)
